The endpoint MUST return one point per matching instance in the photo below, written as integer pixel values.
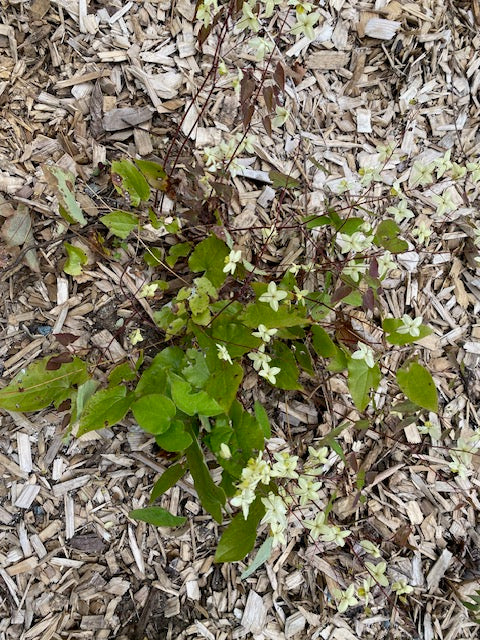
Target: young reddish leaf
(269, 97)
(247, 87)
(247, 114)
(368, 300)
(55, 362)
(341, 293)
(65, 338)
(267, 123)
(279, 76)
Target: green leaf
(248, 431)
(211, 497)
(302, 356)
(176, 438)
(282, 181)
(339, 362)
(157, 516)
(105, 408)
(350, 225)
(322, 343)
(154, 173)
(180, 250)
(167, 480)
(316, 221)
(239, 537)
(120, 223)
(154, 412)
(154, 379)
(223, 383)
(262, 419)
(209, 256)
(75, 259)
(390, 326)
(190, 402)
(235, 336)
(284, 358)
(62, 182)
(120, 373)
(37, 386)
(129, 182)
(263, 554)
(386, 236)
(361, 379)
(418, 385)
(262, 313)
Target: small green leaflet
(120, 223)
(129, 182)
(282, 181)
(263, 554)
(390, 326)
(262, 313)
(38, 386)
(176, 438)
(157, 516)
(154, 173)
(386, 236)
(262, 419)
(154, 412)
(167, 480)
(361, 379)
(209, 256)
(105, 408)
(211, 497)
(418, 385)
(76, 258)
(322, 343)
(239, 537)
(190, 402)
(62, 183)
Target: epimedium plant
(228, 318)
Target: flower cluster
(225, 154)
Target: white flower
(231, 261)
(269, 373)
(411, 326)
(249, 20)
(259, 358)
(385, 263)
(401, 586)
(333, 533)
(369, 175)
(261, 47)
(443, 164)
(305, 23)
(277, 529)
(307, 490)
(364, 352)
(431, 427)
(401, 211)
(275, 509)
(357, 242)
(370, 548)
(474, 168)
(355, 270)
(148, 290)
(444, 203)
(300, 294)
(243, 499)
(422, 233)
(223, 353)
(263, 333)
(135, 337)
(421, 174)
(225, 452)
(273, 296)
(285, 466)
(281, 116)
(346, 598)
(316, 526)
(377, 572)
